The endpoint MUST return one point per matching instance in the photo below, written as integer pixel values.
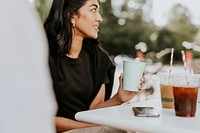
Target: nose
(99, 17)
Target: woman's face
(87, 20)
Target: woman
(82, 71)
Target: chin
(94, 37)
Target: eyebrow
(94, 5)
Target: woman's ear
(73, 20)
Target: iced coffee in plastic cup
(185, 90)
(166, 90)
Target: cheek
(82, 21)
(87, 17)
(85, 22)
(84, 17)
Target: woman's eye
(94, 9)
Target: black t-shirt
(76, 82)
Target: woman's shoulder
(102, 54)
(101, 49)
(98, 54)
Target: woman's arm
(120, 97)
(65, 124)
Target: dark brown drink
(185, 101)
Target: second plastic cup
(132, 74)
(196, 69)
(166, 90)
(185, 90)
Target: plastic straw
(184, 61)
(171, 62)
(185, 65)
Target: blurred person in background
(81, 70)
(26, 98)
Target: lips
(96, 27)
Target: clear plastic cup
(185, 90)
(166, 90)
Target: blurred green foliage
(43, 7)
(121, 39)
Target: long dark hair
(58, 25)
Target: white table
(122, 117)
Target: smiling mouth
(96, 27)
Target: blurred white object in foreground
(26, 96)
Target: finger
(120, 80)
(141, 86)
(140, 91)
(121, 75)
(142, 80)
(132, 92)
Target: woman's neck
(75, 47)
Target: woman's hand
(124, 95)
(120, 97)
